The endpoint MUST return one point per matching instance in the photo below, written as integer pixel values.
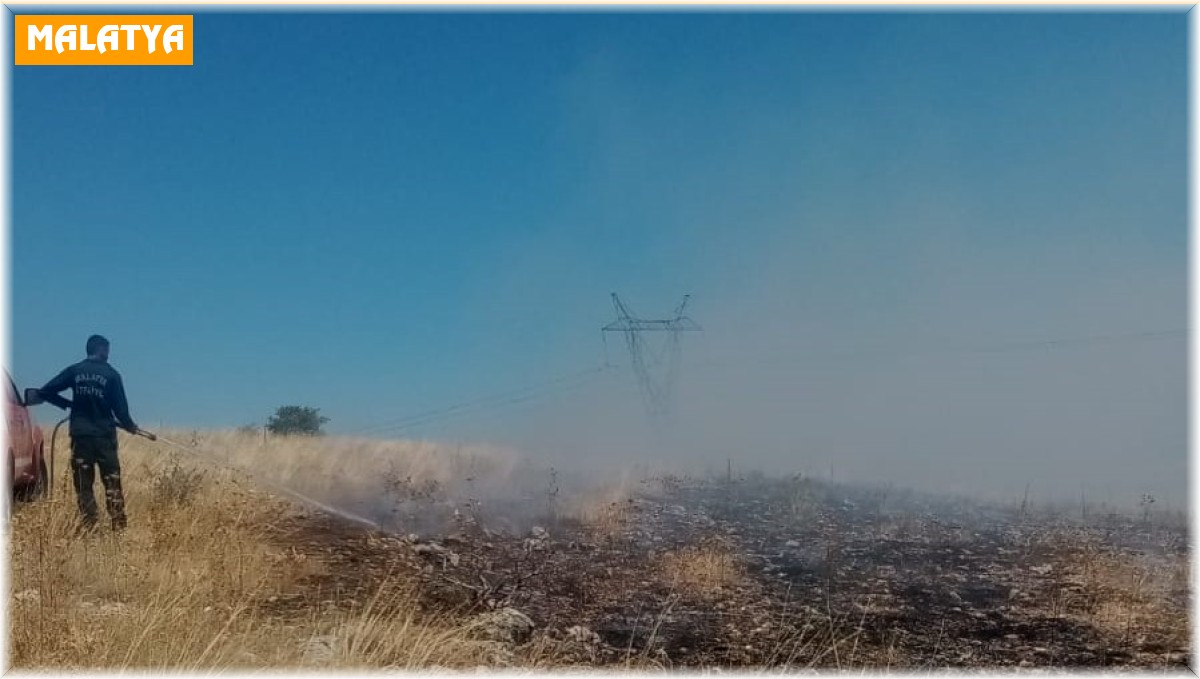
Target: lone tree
(296, 420)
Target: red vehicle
(26, 448)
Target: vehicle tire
(12, 488)
(38, 490)
(33, 491)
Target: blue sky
(382, 214)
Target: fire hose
(53, 440)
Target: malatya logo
(103, 40)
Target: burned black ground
(828, 576)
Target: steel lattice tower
(655, 367)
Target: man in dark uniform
(98, 405)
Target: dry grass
(606, 509)
(703, 569)
(359, 473)
(184, 586)
(1128, 597)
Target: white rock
(507, 625)
(583, 635)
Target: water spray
(196, 452)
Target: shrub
(296, 420)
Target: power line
(492, 407)
(1008, 347)
(578, 380)
(520, 394)
(506, 407)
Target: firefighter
(97, 407)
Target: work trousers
(88, 453)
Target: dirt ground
(784, 573)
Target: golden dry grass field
(185, 587)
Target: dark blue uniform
(97, 406)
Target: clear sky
(382, 214)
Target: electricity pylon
(655, 367)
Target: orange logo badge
(103, 39)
